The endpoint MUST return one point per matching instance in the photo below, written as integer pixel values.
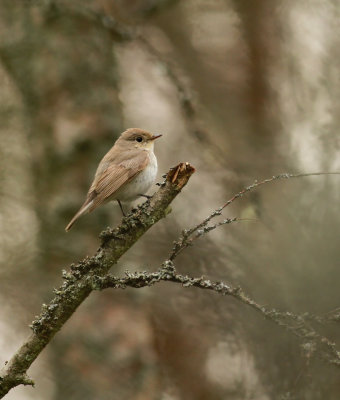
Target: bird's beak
(155, 137)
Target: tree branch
(78, 282)
(189, 235)
(92, 274)
(312, 342)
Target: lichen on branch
(77, 283)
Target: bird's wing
(113, 174)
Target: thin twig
(273, 178)
(312, 342)
(186, 239)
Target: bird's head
(137, 138)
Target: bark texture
(78, 282)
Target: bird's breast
(141, 183)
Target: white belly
(141, 183)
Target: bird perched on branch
(125, 173)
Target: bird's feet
(146, 196)
(121, 208)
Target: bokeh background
(241, 89)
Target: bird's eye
(139, 139)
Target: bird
(125, 173)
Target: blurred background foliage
(241, 89)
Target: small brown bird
(125, 173)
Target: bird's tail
(85, 208)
